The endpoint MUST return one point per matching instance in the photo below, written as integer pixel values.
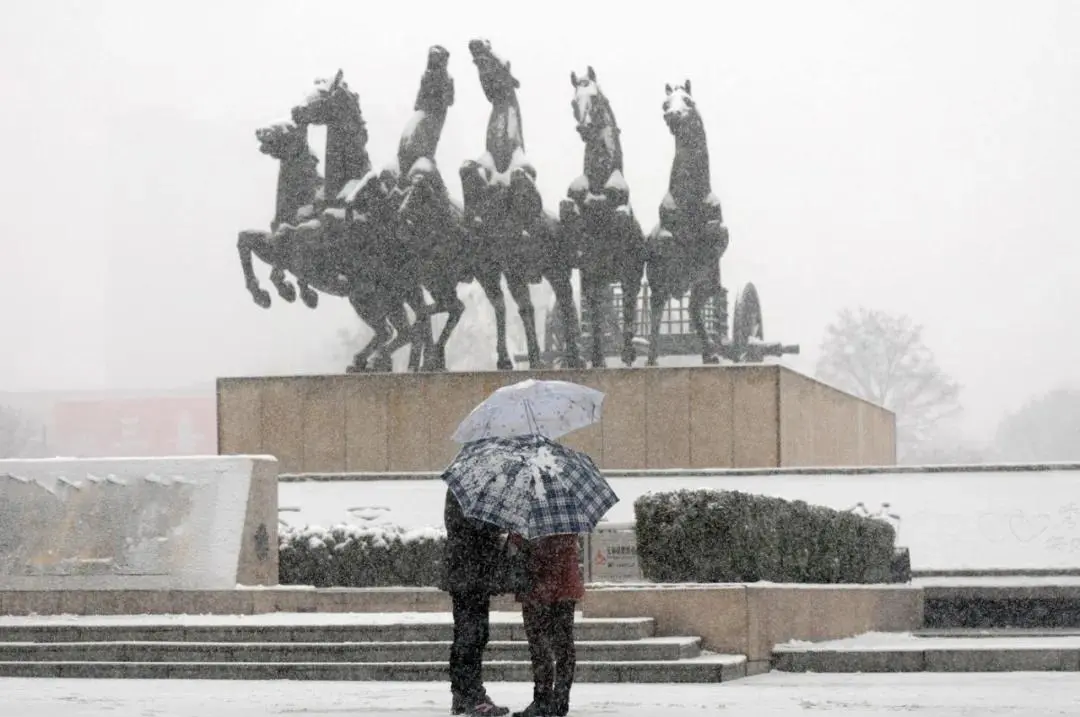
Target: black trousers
(472, 613)
(550, 629)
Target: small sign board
(611, 551)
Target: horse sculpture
(348, 243)
(513, 235)
(598, 215)
(430, 225)
(686, 246)
(359, 218)
(297, 185)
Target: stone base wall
(751, 619)
(753, 416)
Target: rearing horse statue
(430, 224)
(686, 246)
(512, 234)
(598, 215)
(298, 184)
(353, 223)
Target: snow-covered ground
(950, 520)
(771, 695)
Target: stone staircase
(336, 647)
(1022, 626)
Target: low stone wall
(188, 523)
(751, 619)
(229, 602)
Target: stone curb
(643, 672)
(341, 652)
(592, 630)
(1018, 659)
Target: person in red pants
(548, 612)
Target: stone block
(848, 661)
(106, 524)
(1003, 660)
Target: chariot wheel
(746, 323)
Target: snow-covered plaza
(770, 695)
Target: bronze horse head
(436, 85)
(283, 140)
(589, 103)
(331, 102)
(496, 79)
(679, 107)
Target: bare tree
(17, 433)
(1046, 428)
(881, 357)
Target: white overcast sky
(919, 157)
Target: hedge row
(727, 536)
(685, 536)
(355, 557)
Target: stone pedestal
(747, 416)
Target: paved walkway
(772, 695)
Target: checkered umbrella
(529, 485)
(547, 408)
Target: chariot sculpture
(386, 239)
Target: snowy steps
(608, 650)
(1001, 626)
(936, 651)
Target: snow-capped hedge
(353, 556)
(728, 536)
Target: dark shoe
(560, 703)
(481, 706)
(536, 709)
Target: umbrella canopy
(529, 485)
(546, 408)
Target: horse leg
(699, 294)
(631, 288)
(658, 297)
(420, 332)
(591, 296)
(519, 289)
(285, 289)
(248, 243)
(398, 320)
(309, 296)
(285, 240)
(489, 281)
(420, 341)
(447, 300)
(564, 304)
(376, 320)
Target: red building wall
(151, 426)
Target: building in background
(89, 424)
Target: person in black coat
(472, 551)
